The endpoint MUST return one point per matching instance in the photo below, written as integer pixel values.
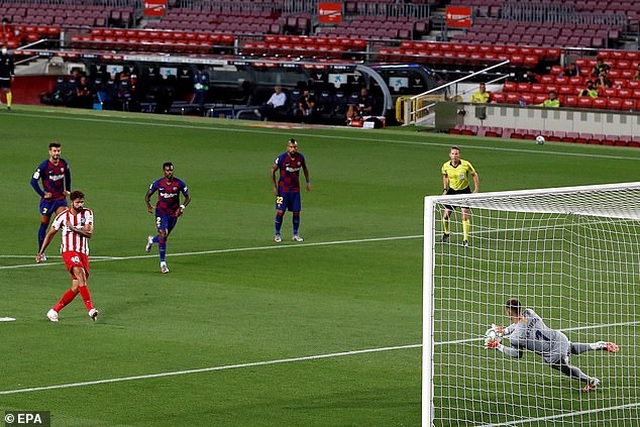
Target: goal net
(570, 254)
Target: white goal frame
(608, 201)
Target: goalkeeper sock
(466, 225)
(445, 225)
(65, 300)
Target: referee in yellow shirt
(455, 180)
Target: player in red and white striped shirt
(76, 224)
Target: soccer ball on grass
(539, 139)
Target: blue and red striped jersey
(55, 179)
(290, 167)
(168, 195)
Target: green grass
(234, 302)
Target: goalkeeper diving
(529, 332)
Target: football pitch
(243, 331)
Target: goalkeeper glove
(490, 344)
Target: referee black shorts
(451, 192)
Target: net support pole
(427, 312)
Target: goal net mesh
(572, 255)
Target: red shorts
(72, 259)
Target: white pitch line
(263, 363)
(210, 369)
(220, 251)
(300, 132)
(559, 416)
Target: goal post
(571, 254)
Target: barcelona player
(76, 224)
(285, 177)
(56, 184)
(168, 209)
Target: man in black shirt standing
(6, 73)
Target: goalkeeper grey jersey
(531, 333)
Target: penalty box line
(95, 258)
(257, 364)
(211, 369)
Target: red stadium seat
(584, 137)
(570, 101)
(571, 137)
(566, 90)
(596, 139)
(622, 64)
(507, 132)
(556, 70)
(527, 97)
(497, 97)
(585, 102)
(511, 98)
(538, 88)
(633, 84)
(576, 80)
(627, 74)
(632, 55)
(509, 87)
(628, 104)
(625, 93)
(614, 104)
(623, 140)
(600, 103)
(547, 79)
(519, 133)
(495, 132)
(557, 135)
(539, 98)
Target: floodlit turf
(252, 333)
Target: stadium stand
(152, 40)
(371, 31)
(558, 136)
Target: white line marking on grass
(559, 416)
(221, 251)
(211, 369)
(263, 363)
(368, 138)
